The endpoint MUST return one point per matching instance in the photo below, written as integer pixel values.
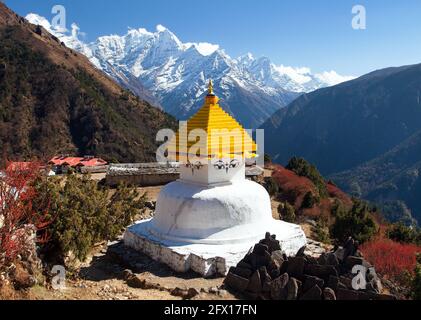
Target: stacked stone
(267, 273)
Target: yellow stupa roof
(211, 133)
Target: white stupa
(209, 219)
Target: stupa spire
(210, 88)
(211, 97)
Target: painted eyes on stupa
(234, 164)
(194, 166)
(221, 165)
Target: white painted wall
(211, 173)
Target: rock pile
(267, 273)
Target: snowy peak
(175, 73)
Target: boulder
(257, 260)
(311, 260)
(314, 293)
(278, 287)
(332, 259)
(255, 283)
(296, 267)
(271, 242)
(266, 287)
(242, 272)
(347, 282)
(260, 249)
(340, 254)
(329, 294)
(352, 261)
(236, 282)
(350, 248)
(333, 282)
(22, 279)
(311, 281)
(321, 271)
(244, 265)
(264, 275)
(292, 289)
(301, 252)
(346, 294)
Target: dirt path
(116, 272)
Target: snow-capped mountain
(160, 68)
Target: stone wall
(142, 174)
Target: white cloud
(332, 78)
(299, 75)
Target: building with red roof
(61, 164)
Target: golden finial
(210, 88)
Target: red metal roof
(77, 161)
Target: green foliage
(271, 186)
(304, 169)
(400, 233)
(416, 282)
(286, 212)
(310, 200)
(321, 231)
(85, 214)
(357, 223)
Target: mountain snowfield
(171, 74)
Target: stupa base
(206, 259)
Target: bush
(286, 212)
(357, 223)
(309, 201)
(400, 233)
(271, 186)
(416, 282)
(304, 169)
(391, 259)
(321, 231)
(85, 214)
(17, 212)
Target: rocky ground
(118, 273)
(115, 272)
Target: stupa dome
(190, 213)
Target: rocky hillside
(344, 126)
(53, 100)
(393, 180)
(367, 128)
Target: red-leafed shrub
(391, 259)
(335, 192)
(17, 216)
(293, 187)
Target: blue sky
(312, 33)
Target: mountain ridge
(176, 73)
(53, 100)
(365, 134)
